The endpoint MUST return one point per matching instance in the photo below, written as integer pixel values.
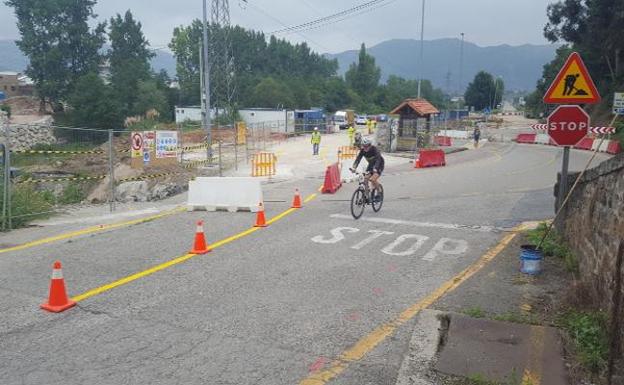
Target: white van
(340, 119)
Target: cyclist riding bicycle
(375, 161)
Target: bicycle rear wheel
(377, 198)
(358, 203)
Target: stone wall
(593, 225)
(25, 136)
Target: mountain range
(12, 59)
(519, 66)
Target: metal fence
(54, 169)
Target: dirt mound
(24, 105)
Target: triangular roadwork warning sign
(573, 85)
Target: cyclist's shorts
(379, 170)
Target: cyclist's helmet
(366, 142)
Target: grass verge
(588, 333)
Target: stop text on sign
(568, 126)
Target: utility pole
(222, 63)
(461, 73)
(461, 64)
(206, 71)
(422, 36)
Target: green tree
(270, 93)
(163, 82)
(363, 76)
(335, 94)
(185, 45)
(596, 29)
(484, 91)
(93, 104)
(149, 97)
(59, 43)
(129, 61)
(535, 107)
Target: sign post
(567, 126)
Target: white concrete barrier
(231, 194)
(455, 134)
(542, 139)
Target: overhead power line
(337, 20)
(338, 16)
(260, 10)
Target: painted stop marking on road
(568, 125)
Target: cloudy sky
(485, 22)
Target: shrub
(27, 204)
(588, 331)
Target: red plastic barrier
(614, 147)
(585, 144)
(332, 179)
(526, 138)
(430, 158)
(442, 140)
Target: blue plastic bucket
(530, 260)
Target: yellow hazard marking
(175, 261)
(533, 372)
(370, 341)
(69, 179)
(572, 84)
(90, 230)
(59, 152)
(311, 197)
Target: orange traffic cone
(58, 300)
(417, 163)
(260, 220)
(200, 246)
(297, 200)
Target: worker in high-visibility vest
(351, 133)
(369, 126)
(374, 126)
(316, 141)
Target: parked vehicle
(360, 120)
(344, 119)
(340, 119)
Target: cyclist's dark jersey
(373, 157)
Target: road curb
(417, 365)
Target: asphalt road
(274, 306)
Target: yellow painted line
(178, 260)
(280, 216)
(311, 197)
(90, 230)
(370, 341)
(533, 372)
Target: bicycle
(362, 197)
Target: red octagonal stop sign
(567, 125)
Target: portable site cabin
(306, 120)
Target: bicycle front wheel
(378, 197)
(358, 203)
